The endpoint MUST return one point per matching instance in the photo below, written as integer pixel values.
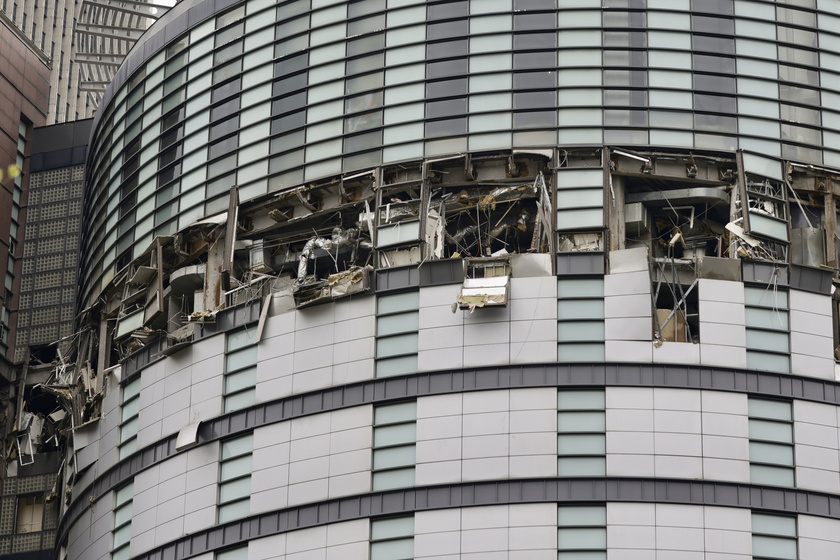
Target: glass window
(623, 57)
(801, 37)
(227, 71)
(447, 68)
(447, 30)
(800, 56)
(774, 536)
(715, 123)
(447, 49)
(392, 539)
(459, 8)
(803, 115)
(801, 134)
(291, 64)
(803, 76)
(534, 80)
(361, 122)
(229, 52)
(628, 39)
(616, 18)
(532, 22)
(447, 108)
(796, 94)
(630, 78)
(534, 41)
(535, 119)
(715, 103)
(712, 24)
(367, 82)
(709, 63)
(629, 97)
(720, 45)
(625, 118)
(534, 100)
(581, 439)
(394, 437)
(446, 88)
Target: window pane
(122, 515)
(240, 380)
(131, 390)
(394, 457)
(130, 409)
(777, 410)
(234, 490)
(124, 494)
(578, 516)
(402, 412)
(235, 447)
(771, 453)
(399, 478)
(402, 322)
(392, 550)
(397, 434)
(581, 422)
(582, 538)
(589, 287)
(581, 466)
(774, 524)
(581, 444)
(242, 358)
(128, 430)
(581, 400)
(768, 362)
(395, 345)
(240, 400)
(767, 340)
(771, 431)
(580, 309)
(580, 330)
(391, 528)
(766, 318)
(396, 366)
(235, 468)
(234, 510)
(773, 547)
(398, 302)
(240, 338)
(122, 535)
(774, 476)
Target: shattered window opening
(30, 514)
(486, 283)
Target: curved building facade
(472, 279)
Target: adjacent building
(464, 279)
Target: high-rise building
(395, 279)
(82, 42)
(24, 94)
